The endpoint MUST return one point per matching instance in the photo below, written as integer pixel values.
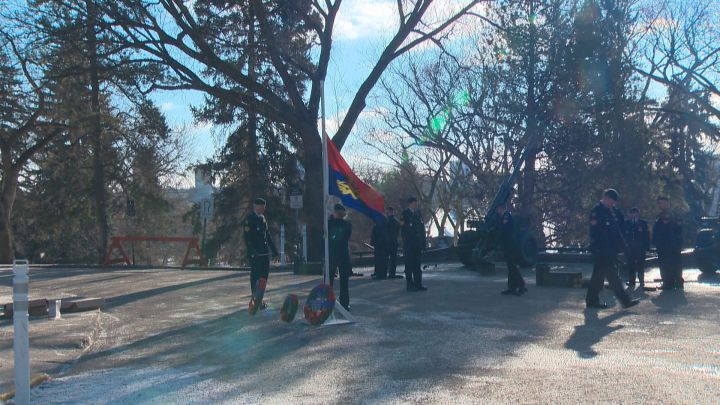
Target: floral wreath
(319, 304)
(289, 308)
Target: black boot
(598, 305)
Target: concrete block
(541, 269)
(35, 308)
(85, 304)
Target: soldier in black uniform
(413, 234)
(504, 226)
(259, 243)
(606, 241)
(667, 238)
(378, 240)
(339, 231)
(637, 237)
(393, 231)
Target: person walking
(606, 241)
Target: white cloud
(359, 19)
(369, 19)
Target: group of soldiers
(384, 239)
(610, 235)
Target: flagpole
(326, 186)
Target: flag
(352, 191)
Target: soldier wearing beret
(667, 238)
(259, 243)
(637, 237)
(413, 234)
(606, 241)
(339, 232)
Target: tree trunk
(7, 200)
(313, 196)
(98, 180)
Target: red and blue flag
(353, 192)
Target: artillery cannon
(480, 244)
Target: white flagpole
(326, 186)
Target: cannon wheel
(466, 243)
(527, 249)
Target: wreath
(289, 308)
(319, 304)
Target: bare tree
(195, 53)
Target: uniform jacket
(257, 236)
(339, 231)
(413, 230)
(667, 233)
(504, 226)
(606, 230)
(379, 236)
(637, 237)
(393, 230)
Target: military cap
(411, 200)
(339, 207)
(612, 194)
(259, 201)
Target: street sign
(296, 199)
(206, 208)
(203, 185)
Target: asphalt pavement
(185, 337)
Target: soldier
(606, 241)
(259, 243)
(667, 238)
(413, 234)
(504, 226)
(393, 230)
(378, 240)
(339, 231)
(637, 237)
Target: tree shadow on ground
(592, 332)
(138, 295)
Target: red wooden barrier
(116, 244)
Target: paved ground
(170, 336)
